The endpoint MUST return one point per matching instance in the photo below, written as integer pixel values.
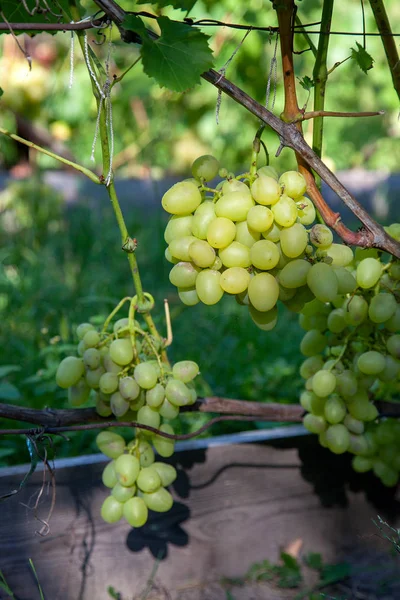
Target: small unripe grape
(235, 255)
(91, 339)
(221, 232)
(78, 393)
(381, 308)
(110, 365)
(264, 255)
(322, 281)
(205, 167)
(285, 211)
(202, 254)
(118, 404)
(305, 210)
(82, 329)
(182, 198)
(208, 286)
(121, 351)
(393, 345)
(179, 247)
(246, 235)
(185, 370)
(164, 446)
(108, 383)
(361, 464)
(148, 416)
(145, 375)
(111, 444)
(146, 454)
(313, 343)
(155, 396)
(123, 493)
(260, 218)
(293, 183)
(184, 274)
(369, 271)
(202, 217)
(167, 473)
(159, 501)
(234, 205)
(335, 410)
(393, 324)
(294, 274)
(371, 363)
(178, 226)
(135, 512)
(91, 358)
(321, 236)
(148, 479)
(177, 392)
(265, 190)
(127, 469)
(314, 423)
(129, 388)
(339, 254)
(188, 296)
(346, 282)
(338, 438)
(273, 234)
(111, 510)
(69, 371)
(168, 411)
(293, 240)
(268, 171)
(109, 476)
(235, 280)
(263, 291)
(265, 320)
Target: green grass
(62, 265)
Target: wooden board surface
(235, 505)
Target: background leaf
(15, 12)
(185, 5)
(362, 58)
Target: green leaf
(362, 58)
(314, 561)
(1, 92)
(178, 57)
(289, 573)
(8, 391)
(307, 83)
(15, 12)
(7, 369)
(334, 573)
(185, 5)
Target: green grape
(268, 171)
(202, 217)
(188, 296)
(358, 444)
(393, 324)
(368, 272)
(184, 274)
(338, 438)
(169, 256)
(265, 190)
(159, 501)
(315, 306)
(334, 365)
(293, 183)
(109, 476)
(339, 255)
(335, 410)
(129, 388)
(317, 403)
(286, 293)
(121, 324)
(394, 231)
(263, 291)
(391, 370)
(78, 394)
(221, 232)
(177, 392)
(80, 349)
(121, 351)
(205, 167)
(148, 416)
(310, 366)
(102, 407)
(164, 446)
(168, 411)
(145, 375)
(315, 322)
(353, 425)
(246, 235)
(346, 383)
(371, 363)
(321, 236)
(108, 383)
(302, 296)
(177, 227)
(381, 308)
(182, 198)
(185, 370)
(135, 512)
(167, 473)
(361, 464)
(314, 423)
(265, 320)
(322, 281)
(208, 286)
(264, 255)
(394, 271)
(118, 404)
(336, 321)
(285, 211)
(202, 254)
(146, 453)
(305, 210)
(155, 396)
(235, 255)
(234, 205)
(283, 259)
(111, 510)
(293, 240)
(386, 474)
(109, 365)
(313, 343)
(111, 444)
(82, 329)
(235, 280)
(260, 218)
(179, 247)
(294, 274)
(305, 400)
(393, 345)
(69, 371)
(356, 310)
(91, 358)
(361, 408)
(127, 469)
(273, 234)
(346, 282)
(148, 479)
(91, 339)
(123, 493)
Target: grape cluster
(248, 238)
(127, 374)
(352, 350)
(137, 482)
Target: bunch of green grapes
(352, 345)
(248, 238)
(126, 373)
(136, 481)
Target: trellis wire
(273, 70)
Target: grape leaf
(306, 83)
(15, 12)
(185, 5)
(362, 58)
(178, 57)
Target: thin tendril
(71, 60)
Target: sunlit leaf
(362, 58)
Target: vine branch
(331, 113)
(385, 31)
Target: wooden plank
(235, 505)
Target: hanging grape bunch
(248, 238)
(126, 373)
